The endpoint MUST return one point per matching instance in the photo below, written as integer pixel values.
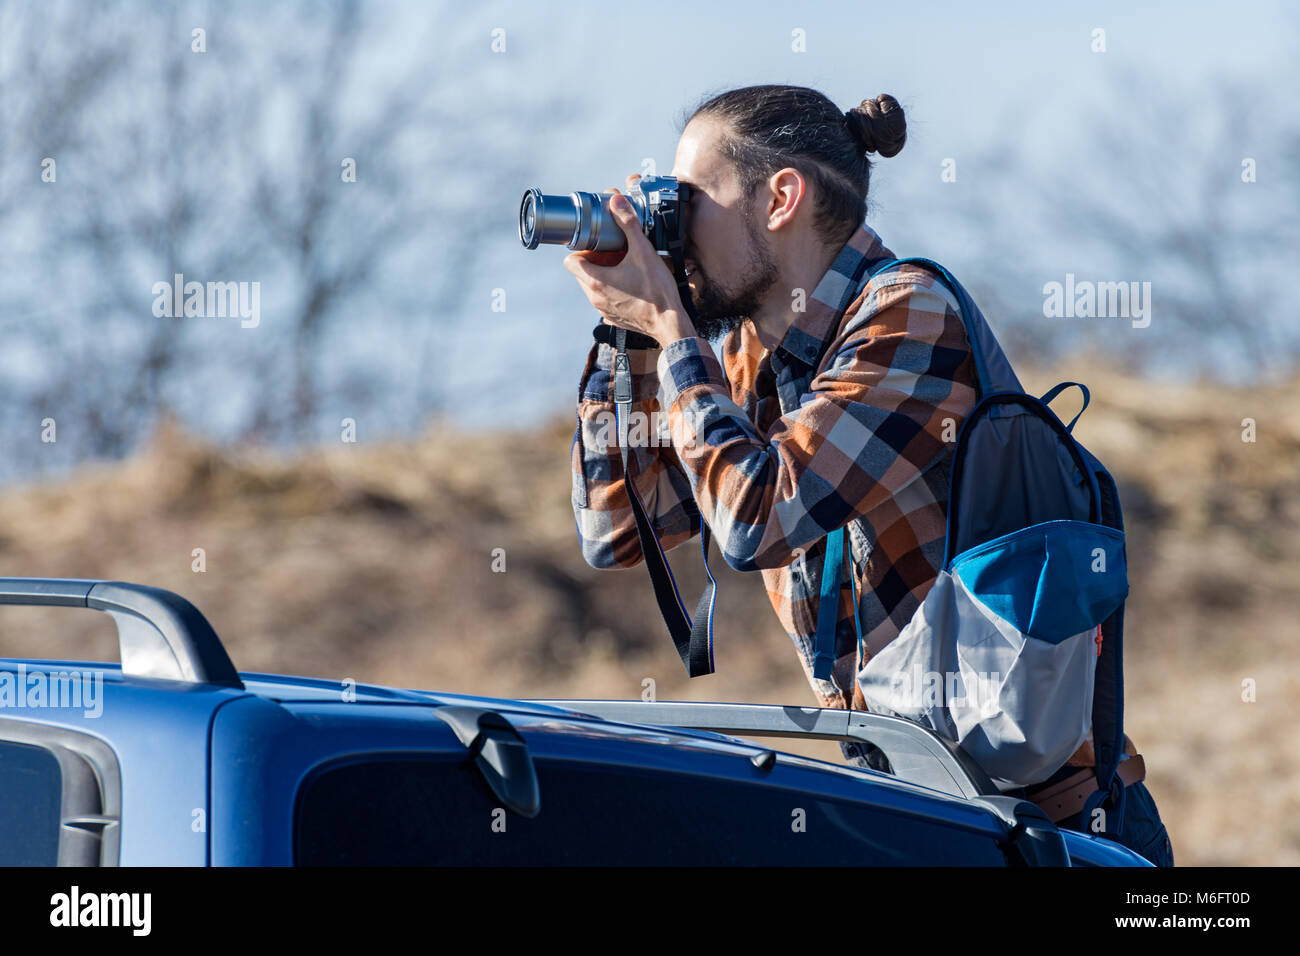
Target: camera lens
(581, 220)
(547, 219)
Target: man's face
(728, 255)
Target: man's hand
(634, 290)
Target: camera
(583, 221)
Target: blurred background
(329, 475)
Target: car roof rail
(916, 754)
(159, 633)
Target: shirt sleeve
(602, 512)
(896, 383)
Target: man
(836, 400)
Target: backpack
(1015, 653)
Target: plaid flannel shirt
(852, 420)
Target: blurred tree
(1194, 193)
(336, 154)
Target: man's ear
(787, 192)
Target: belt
(1065, 798)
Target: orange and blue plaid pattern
(850, 420)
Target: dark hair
(771, 127)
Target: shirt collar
(808, 335)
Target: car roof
(285, 688)
(173, 665)
(299, 694)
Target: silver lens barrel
(580, 220)
(548, 219)
(597, 229)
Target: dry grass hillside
(374, 561)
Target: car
(174, 758)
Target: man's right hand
(615, 257)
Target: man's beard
(720, 310)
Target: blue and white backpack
(1016, 651)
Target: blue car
(174, 758)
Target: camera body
(583, 221)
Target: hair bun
(878, 125)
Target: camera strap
(692, 636)
(675, 235)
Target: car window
(31, 788)
(441, 811)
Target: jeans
(1143, 831)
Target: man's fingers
(606, 258)
(620, 208)
(577, 265)
(581, 268)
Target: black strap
(605, 334)
(693, 637)
(674, 218)
(1108, 686)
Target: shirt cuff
(686, 363)
(597, 383)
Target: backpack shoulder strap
(1108, 691)
(992, 368)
